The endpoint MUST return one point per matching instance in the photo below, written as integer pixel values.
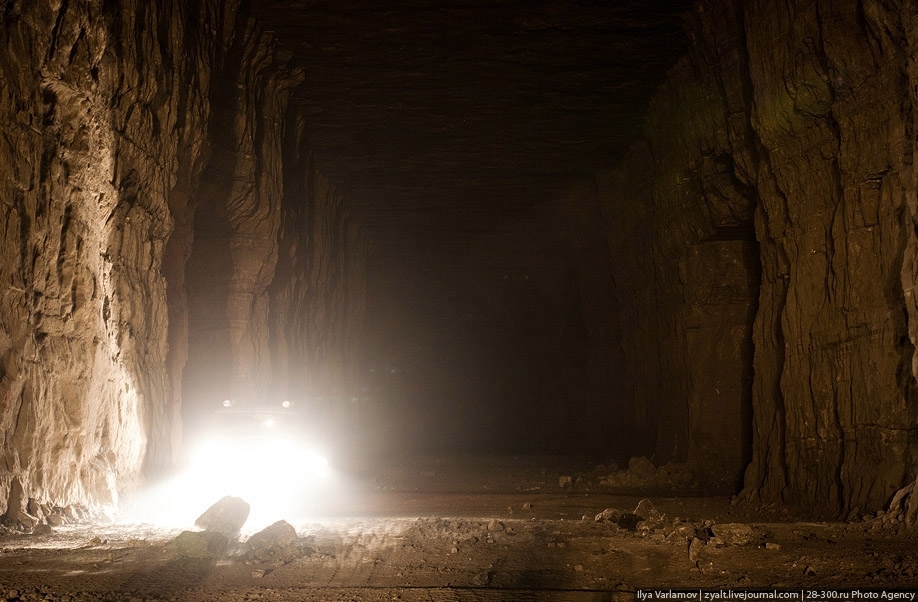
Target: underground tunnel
(482, 300)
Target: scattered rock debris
(276, 545)
(611, 515)
(642, 474)
(901, 514)
(221, 522)
(681, 540)
(733, 534)
(39, 518)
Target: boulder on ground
(34, 508)
(733, 534)
(277, 535)
(695, 549)
(650, 517)
(610, 515)
(903, 507)
(20, 521)
(71, 513)
(201, 544)
(42, 529)
(682, 532)
(646, 510)
(226, 516)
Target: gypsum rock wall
(834, 115)
(276, 273)
(115, 136)
(318, 296)
(235, 229)
(775, 181)
(684, 273)
(86, 173)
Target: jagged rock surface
(836, 226)
(235, 228)
(776, 181)
(738, 290)
(318, 295)
(142, 171)
(88, 159)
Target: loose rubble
(641, 540)
(38, 518)
(733, 534)
(275, 545)
(276, 535)
(900, 515)
(699, 537)
(220, 523)
(641, 473)
(486, 551)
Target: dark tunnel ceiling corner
(440, 121)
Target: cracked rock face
(782, 189)
(836, 225)
(86, 174)
(142, 192)
(198, 203)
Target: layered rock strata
(142, 191)
(318, 294)
(89, 158)
(776, 180)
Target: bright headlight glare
(260, 460)
(279, 477)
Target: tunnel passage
(673, 230)
(460, 138)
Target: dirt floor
(472, 529)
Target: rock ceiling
(441, 120)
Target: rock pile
(201, 544)
(37, 518)
(644, 517)
(646, 521)
(221, 522)
(273, 546)
(902, 511)
(641, 473)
